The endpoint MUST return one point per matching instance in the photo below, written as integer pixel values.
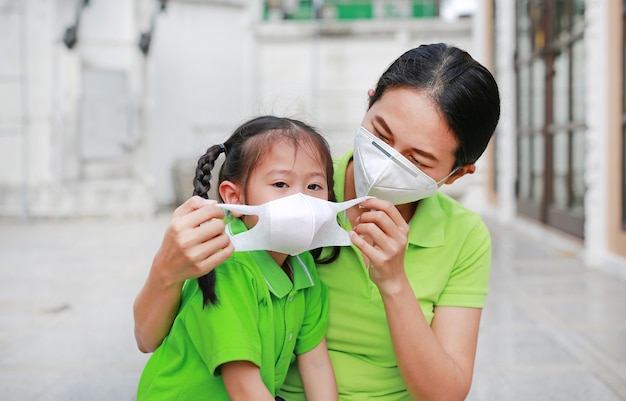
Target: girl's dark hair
(465, 92)
(245, 148)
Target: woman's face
(410, 122)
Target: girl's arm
(317, 374)
(242, 380)
(437, 361)
(193, 244)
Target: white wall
(324, 77)
(196, 93)
(46, 171)
(99, 129)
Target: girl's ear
(467, 169)
(231, 193)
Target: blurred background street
(553, 329)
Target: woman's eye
(381, 136)
(416, 162)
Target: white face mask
(382, 172)
(292, 225)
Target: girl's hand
(194, 242)
(382, 236)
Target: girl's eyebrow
(278, 171)
(380, 120)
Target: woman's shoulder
(456, 212)
(440, 218)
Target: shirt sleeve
(227, 331)
(469, 280)
(315, 319)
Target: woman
(406, 299)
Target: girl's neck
(281, 260)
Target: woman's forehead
(406, 112)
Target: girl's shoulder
(238, 266)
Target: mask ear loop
(441, 181)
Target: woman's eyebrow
(383, 123)
(425, 154)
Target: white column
(596, 141)
(506, 166)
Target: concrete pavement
(66, 293)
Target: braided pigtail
(201, 187)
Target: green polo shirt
(447, 261)
(261, 317)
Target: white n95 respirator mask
(292, 225)
(382, 172)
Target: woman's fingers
(196, 211)
(382, 234)
(384, 225)
(386, 215)
(194, 242)
(191, 204)
(215, 257)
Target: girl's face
(409, 122)
(285, 170)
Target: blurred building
(559, 150)
(105, 104)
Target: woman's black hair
(464, 91)
(243, 150)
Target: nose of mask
(381, 171)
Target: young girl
(238, 327)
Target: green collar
(341, 166)
(426, 228)
(277, 281)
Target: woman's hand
(436, 363)
(193, 245)
(382, 235)
(194, 242)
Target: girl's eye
(314, 187)
(280, 184)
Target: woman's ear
(467, 169)
(231, 193)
